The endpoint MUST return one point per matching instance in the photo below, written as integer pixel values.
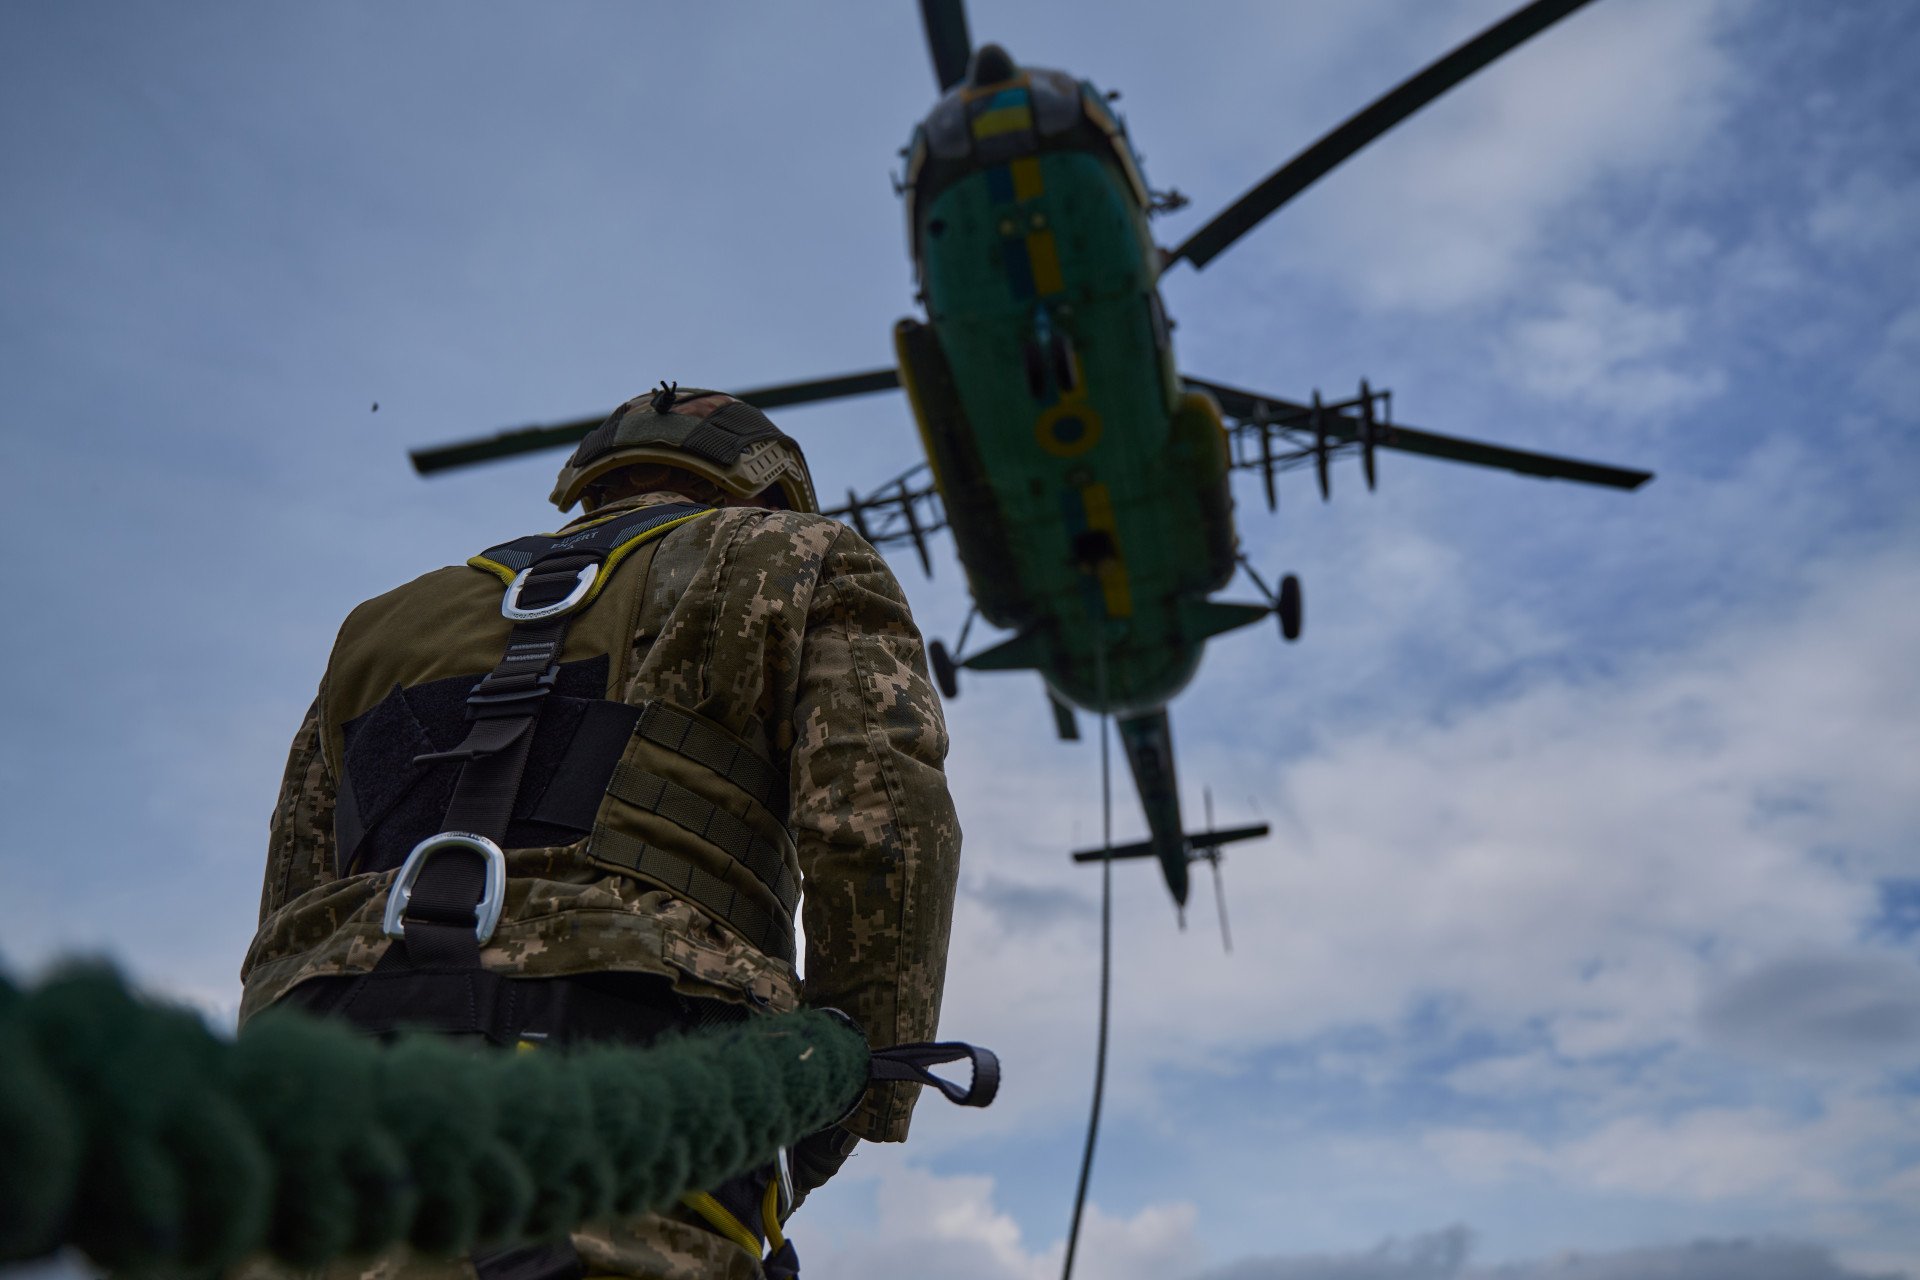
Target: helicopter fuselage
(1086, 490)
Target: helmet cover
(708, 433)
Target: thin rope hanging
(1106, 956)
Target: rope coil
(137, 1135)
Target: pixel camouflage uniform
(790, 632)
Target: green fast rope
(131, 1131)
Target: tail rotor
(1210, 854)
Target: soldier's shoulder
(779, 532)
(774, 520)
(431, 585)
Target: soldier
(702, 697)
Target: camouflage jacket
(792, 633)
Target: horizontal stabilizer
(1196, 841)
(1024, 652)
(1206, 619)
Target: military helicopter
(1083, 476)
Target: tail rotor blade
(1220, 898)
(947, 39)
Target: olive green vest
(654, 791)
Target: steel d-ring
(486, 912)
(510, 608)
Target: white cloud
(1583, 860)
(1891, 374)
(1844, 1009)
(1443, 1255)
(1450, 208)
(1596, 347)
(1711, 1154)
(950, 1228)
(1837, 1168)
(1438, 1255)
(1868, 213)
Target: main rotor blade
(947, 39)
(1244, 405)
(508, 444)
(1297, 174)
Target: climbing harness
(547, 756)
(446, 899)
(443, 909)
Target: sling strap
(911, 1062)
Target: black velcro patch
(398, 803)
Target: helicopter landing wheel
(945, 674)
(1289, 608)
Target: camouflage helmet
(709, 433)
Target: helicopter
(1083, 476)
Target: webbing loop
(910, 1062)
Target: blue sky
(1587, 925)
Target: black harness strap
(439, 919)
(437, 927)
(617, 1008)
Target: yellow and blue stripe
(1008, 111)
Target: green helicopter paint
(1086, 491)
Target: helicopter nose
(991, 65)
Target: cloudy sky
(1587, 944)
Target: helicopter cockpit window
(1056, 101)
(947, 128)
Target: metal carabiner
(486, 912)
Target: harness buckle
(510, 607)
(528, 687)
(486, 912)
